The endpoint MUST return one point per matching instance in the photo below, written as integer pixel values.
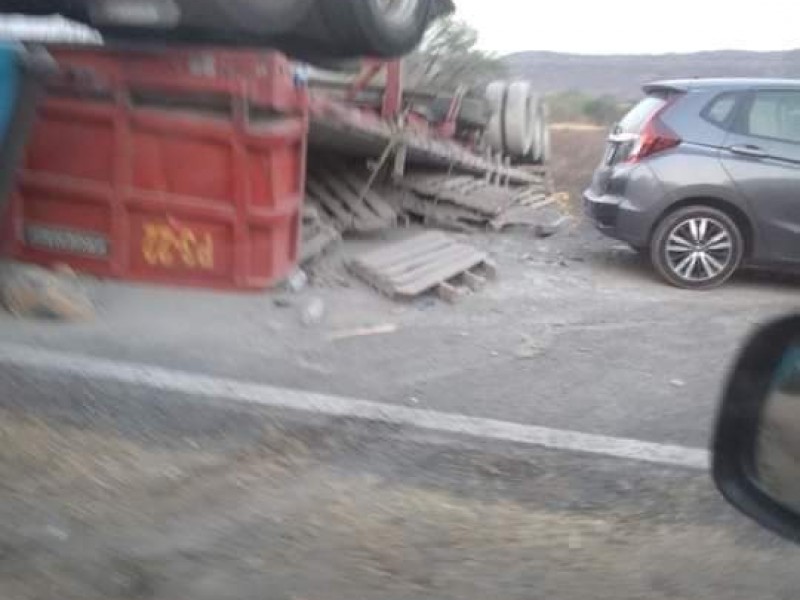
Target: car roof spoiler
(665, 87)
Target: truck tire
(520, 119)
(547, 136)
(213, 19)
(257, 16)
(541, 148)
(494, 95)
(537, 124)
(384, 28)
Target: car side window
(775, 115)
(721, 110)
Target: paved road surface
(114, 489)
(576, 335)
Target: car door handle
(748, 150)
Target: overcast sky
(633, 26)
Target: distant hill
(623, 75)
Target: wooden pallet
(344, 196)
(430, 261)
(442, 215)
(477, 195)
(467, 204)
(317, 234)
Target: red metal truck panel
(178, 168)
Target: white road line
(168, 380)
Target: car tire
(697, 248)
(256, 17)
(238, 22)
(383, 28)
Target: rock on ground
(32, 292)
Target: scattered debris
(282, 302)
(548, 230)
(296, 282)
(363, 332)
(312, 312)
(521, 216)
(535, 345)
(56, 532)
(528, 351)
(575, 541)
(422, 263)
(32, 292)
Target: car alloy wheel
(697, 248)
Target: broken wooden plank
(363, 332)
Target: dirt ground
(577, 150)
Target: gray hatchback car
(704, 175)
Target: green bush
(578, 107)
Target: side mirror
(757, 441)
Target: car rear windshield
(639, 115)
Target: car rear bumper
(617, 218)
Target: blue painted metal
(10, 73)
(22, 72)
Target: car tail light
(655, 137)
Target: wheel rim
(699, 249)
(397, 11)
